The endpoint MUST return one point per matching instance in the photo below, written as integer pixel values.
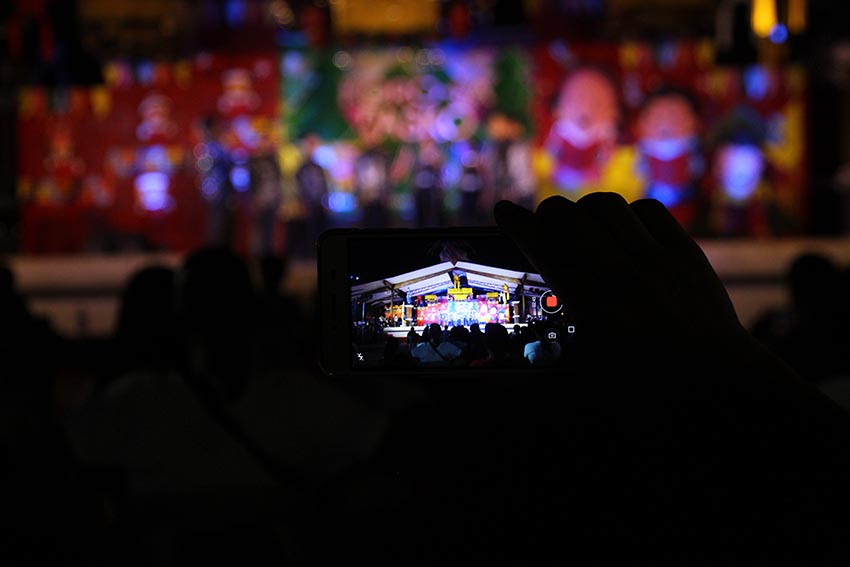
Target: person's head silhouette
(216, 306)
(146, 319)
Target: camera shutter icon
(549, 303)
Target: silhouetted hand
(645, 297)
(674, 385)
(636, 283)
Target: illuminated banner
(460, 293)
(385, 17)
(463, 313)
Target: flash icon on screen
(360, 356)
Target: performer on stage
(312, 190)
(471, 186)
(371, 177)
(505, 294)
(265, 200)
(427, 183)
(507, 159)
(216, 187)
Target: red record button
(550, 303)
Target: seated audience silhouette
(433, 350)
(542, 351)
(219, 444)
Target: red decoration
(104, 153)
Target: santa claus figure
(51, 209)
(669, 157)
(743, 199)
(585, 130)
(63, 170)
(156, 126)
(239, 97)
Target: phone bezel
(334, 300)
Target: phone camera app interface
(452, 303)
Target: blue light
(667, 194)
(156, 158)
(433, 89)
(293, 64)
(779, 34)
(152, 190)
(560, 52)
(145, 72)
(325, 156)
(235, 12)
(740, 171)
(245, 131)
(210, 188)
(468, 156)
(594, 6)
(666, 54)
(240, 178)
(406, 206)
(446, 127)
(452, 172)
(756, 82)
(339, 202)
(239, 156)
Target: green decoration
(311, 104)
(513, 98)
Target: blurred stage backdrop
(264, 150)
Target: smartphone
(460, 301)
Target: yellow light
(384, 16)
(763, 17)
(797, 16)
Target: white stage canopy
(438, 278)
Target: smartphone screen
(444, 300)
